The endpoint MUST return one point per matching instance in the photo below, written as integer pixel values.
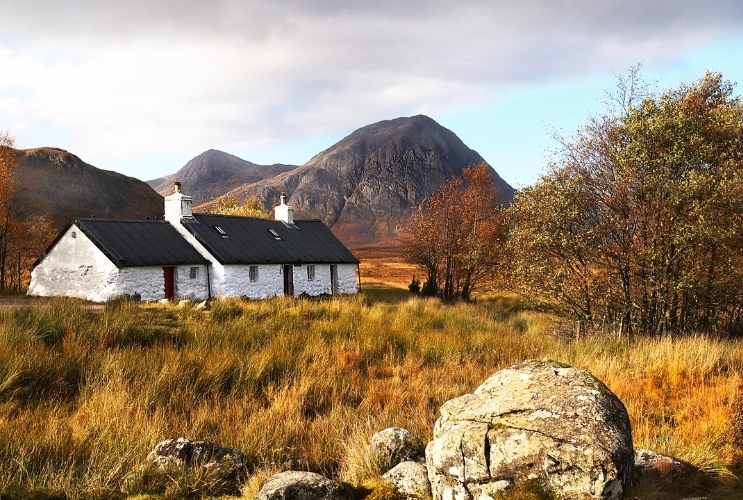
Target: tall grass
(84, 395)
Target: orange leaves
(455, 234)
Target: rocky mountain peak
(366, 185)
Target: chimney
(284, 212)
(177, 205)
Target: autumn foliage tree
(638, 226)
(22, 237)
(456, 234)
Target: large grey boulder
(297, 485)
(538, 421)
(395, 445)
(410, 480)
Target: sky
(143, 86)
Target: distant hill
(214, 173)
(60, 185)
(366, 185)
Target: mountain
(213, 173)
(61, 186)
(366, 185)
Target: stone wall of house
(269, 282)
(317, 286)
(347, 278)
(149, 282)
(216, 270)
(74, 267)
(191, 288)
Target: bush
(429, 290)
(415, 285)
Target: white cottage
(97, 259)
(199, 256)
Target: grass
(298, 384)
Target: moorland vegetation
(298, 384)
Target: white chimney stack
(178, 205)
(284, 212)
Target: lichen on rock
(395, 445)
(539, 421)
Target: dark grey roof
(247, 240)
(130, 243)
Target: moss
(533, 489)
(377, 489)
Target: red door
(169, 274)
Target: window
(194, 273)
(311, 272)
(274, 234)
(253, 274)
(221, 232)
(73, 234)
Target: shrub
(415, 285)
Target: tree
(455, 235)
(22, 238)
(231, 205)
(637, 224)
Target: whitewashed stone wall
(216, 270)
(347, 278)
(237, 282)
(149, 282)
(320, 285)
(188, 288)
(271, 280)
(74, 267)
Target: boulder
(395, 445)
(410, 480)
(537, 422)
(296, 485)
(221, 462)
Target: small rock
(184, 303)
(164, 301)
(221, 462)
(171, 453)
(394, 445)
(203, 306)
(410, 480)
(652, 465)
(297, 485)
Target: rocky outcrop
(296, 485)
(539, 421)
(410, 480)
(394, 445)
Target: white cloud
(128, 78)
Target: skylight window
(274, 234)
(221, 232)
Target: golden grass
(85, 395)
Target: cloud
(146, 76)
